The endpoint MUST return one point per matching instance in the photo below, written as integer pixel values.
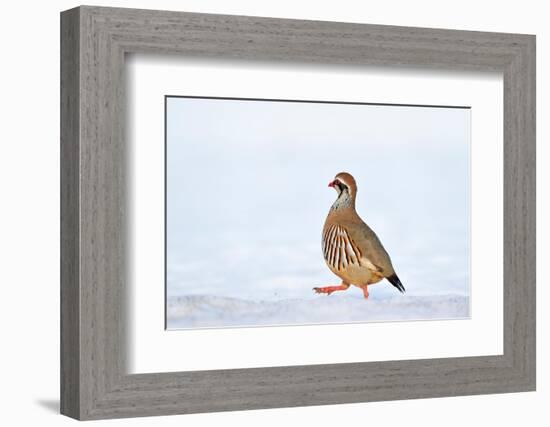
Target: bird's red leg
(330, 289)
(365, 291)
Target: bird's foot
(330, 289)
(365, 291)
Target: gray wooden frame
(94, 382)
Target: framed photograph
(262, 213)
(245, 238)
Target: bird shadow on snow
(207, 311)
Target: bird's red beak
(331, 183)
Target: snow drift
(202, 311)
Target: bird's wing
(373, 250)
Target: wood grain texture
(94, 381)
(70, 221)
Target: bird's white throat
(344, 200)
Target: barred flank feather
(339, 249)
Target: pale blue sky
(247, 194)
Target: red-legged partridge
(351, 249)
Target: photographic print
(297, 212)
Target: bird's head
(344, 184)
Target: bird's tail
(394, 280)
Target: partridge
(351, 249)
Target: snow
(206, 311)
